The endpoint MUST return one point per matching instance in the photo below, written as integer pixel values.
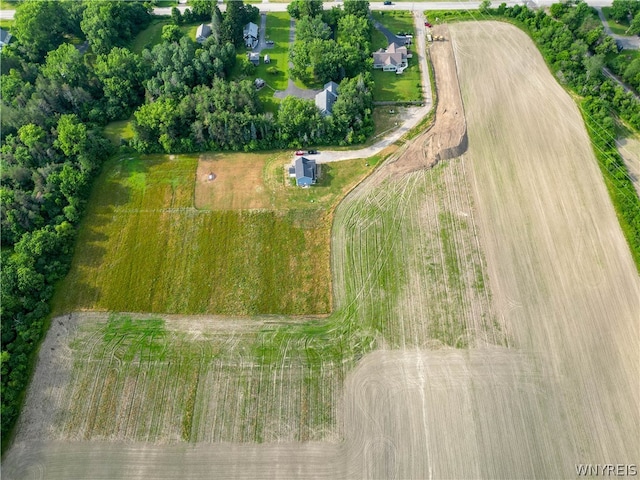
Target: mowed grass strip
(144, 247)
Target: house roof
(305, 171)
(393, 55)
(325, 100)
(5, 36)
(250, 30)
(203, 31)
(332, 87)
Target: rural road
(628, 42)
(414, 6)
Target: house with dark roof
(305, 172)
(5, 38)
(203, 33)
(393, 59)
(327, 97)
(250, 35)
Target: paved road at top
(413, 6)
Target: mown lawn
(617, 28)
(144, 247)
(278, 31)
(150, 36)
(402, 88)
(396, 21)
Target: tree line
(185, 77)
(69, 72)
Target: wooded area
(69, 71)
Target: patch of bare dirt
(447, 138)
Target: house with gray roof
(305, 172)
(327, 97)
(250, 35)
(393, 59)
(5, 37)
(254, 57)
(203, 33)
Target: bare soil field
(562, 276)
(629, 149)
(447, 137)
(495, 291)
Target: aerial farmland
(462, 305)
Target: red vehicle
(427, 24)
(299, 152)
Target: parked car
(388, 3)
(299, 152)
(427, 24)
(312, 152)
(269, 42)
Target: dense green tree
(176, 16)
(202, 9)
(71, 135)
(304, 8)
(309, 28)
(120, 74)
(65, 65)
(359, 8)
(216, 25)
(299, 121)
(171, 33)
(622, 10)
(634, 28)
(112, 23)
(38, 27)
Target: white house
(393, 59)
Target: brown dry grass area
(238, 182)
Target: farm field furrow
(485, 325)
(562, 276)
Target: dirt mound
(447, 138)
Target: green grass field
(402, 251)
(144, 247)
(404, 87)
(118, 130)
(617, 28)
(396, 21)
(150, 36)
